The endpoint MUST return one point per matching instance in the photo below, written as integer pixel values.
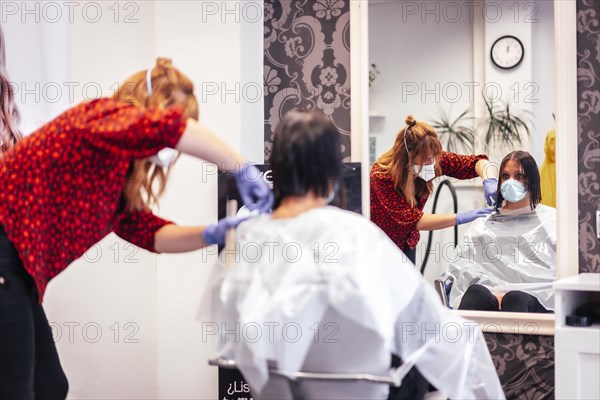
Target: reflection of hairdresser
(401, 183)
(341, 271)
(510, 256)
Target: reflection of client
(338, 279)
(510, 256)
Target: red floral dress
(60, 187)
(392, 213)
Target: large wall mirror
(439, 61)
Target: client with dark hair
(507, 261)
(306, 159)
(329, 292)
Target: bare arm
(485, 169)
(432, 222)
(201, 142)
(178, 239)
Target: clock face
(507, 52)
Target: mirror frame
(565, 53)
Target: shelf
(583, 283)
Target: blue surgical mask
(513, 190)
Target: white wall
(208, 47)
(531, 85)
(544, 72)
(38, 65)
(420, 63)
(144, 305)
(425, 49)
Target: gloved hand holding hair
(490, 191)
(472, 215)
(215, 233)
(254, 190)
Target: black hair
(306, 156)
(531, 172)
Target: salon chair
(289, 384)
(443, 286)
(353, 365)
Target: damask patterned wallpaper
(525, 364)
(307, 62)
(588, 94)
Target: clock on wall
(507, 52)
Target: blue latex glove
(255, 191)
(468, 216)
(490, 190)
(215, 233)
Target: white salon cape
(328, 291)
(509, 251)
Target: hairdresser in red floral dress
(97, 168)
(401, 183)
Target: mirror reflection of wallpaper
(588, 109)
(307, 62)
(525, 364)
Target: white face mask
(164, 158)
(425, 172)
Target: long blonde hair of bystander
(9, 114)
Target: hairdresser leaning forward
(401, 183)
(97, 168)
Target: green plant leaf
(504, 124)
(456, 135)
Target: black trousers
(29, 364)
(480, 298)
(414, 386)
(411, 254)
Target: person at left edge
(95, 169)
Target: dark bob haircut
(532, 176)
(306, 156)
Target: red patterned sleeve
(125, 130)
(460, 166)
(389, 208)
(139, 228)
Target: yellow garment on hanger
(548, 171)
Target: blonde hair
(420, 139)
(9, 114)
(145, 180)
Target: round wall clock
(507, 52)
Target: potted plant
(503, 124)
(457, 135)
